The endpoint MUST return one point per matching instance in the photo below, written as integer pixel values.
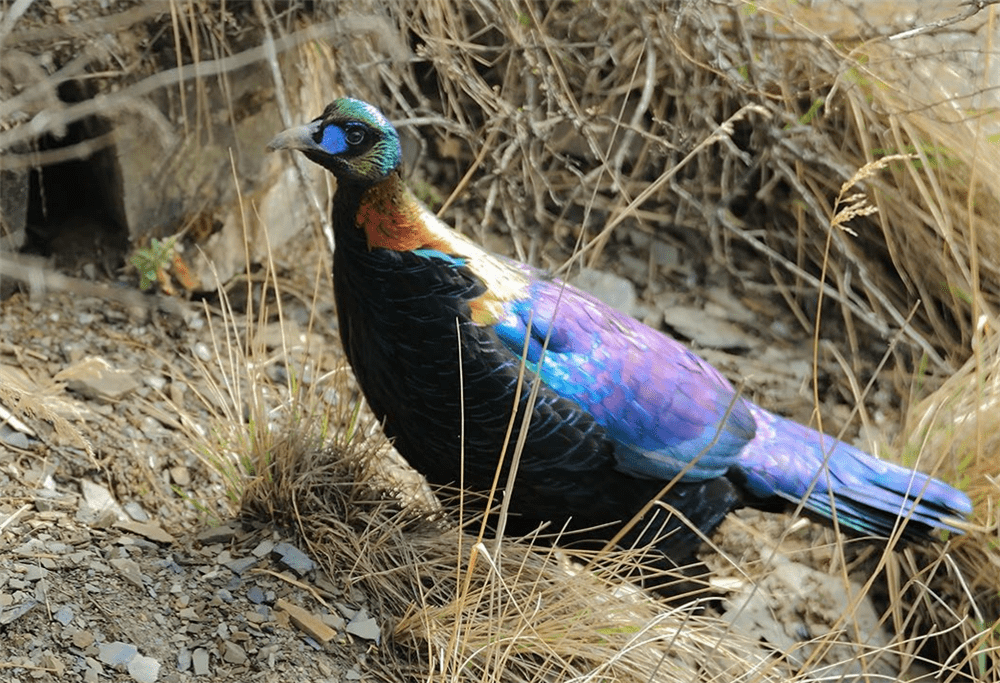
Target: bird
(630, 435)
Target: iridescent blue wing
(667, 409)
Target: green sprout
(152, 260)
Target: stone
(240, 565)
(13, 438)
(705, 329)
(129, 570)
(613, 290)
(14, 613)
(98, 504)
(364, 626)
(148, 530)
(97, 379)
(263, 548)
(135, 511)
(116, 653)
(144, 669)
(200, 661)
(293, 558)
(217, 534)
(255, 595)
(233, 653)
(83, 639)
(35, 573)
(180, 475)
(306, 621)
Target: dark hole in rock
(75, 209)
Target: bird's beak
(300, 138)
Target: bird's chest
(402, 322)
(427, 370)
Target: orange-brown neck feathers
(392, 218)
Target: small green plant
(813, 112)
(959, 293)
(153, 261)
(989, 631)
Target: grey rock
(334, 621)
(129, 569)
(180, 475)
(255, 595)
(218, 534)
(240, 565)
(233, 653)
(98, 504)
(293, 558)
(35, 573)
(157, 382)
(11, 614)
(116, 653)
(706, 329)
(364, 626)
(64, 615)
(665, 254)
(202, 351)
(13, 438)
(97, 379)
(263, 548)
(144, 669)
(94, 670)
(200, 661)
(613, 290)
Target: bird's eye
(355, 136)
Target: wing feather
(665, 408)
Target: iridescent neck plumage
(392, 218)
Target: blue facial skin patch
(333, 141)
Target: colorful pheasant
(436, 328)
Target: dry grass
(852, 177)
(456, 608)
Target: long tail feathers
(864, 493)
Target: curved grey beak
(299, 137)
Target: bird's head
(352, 139)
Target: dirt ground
(120, 561)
